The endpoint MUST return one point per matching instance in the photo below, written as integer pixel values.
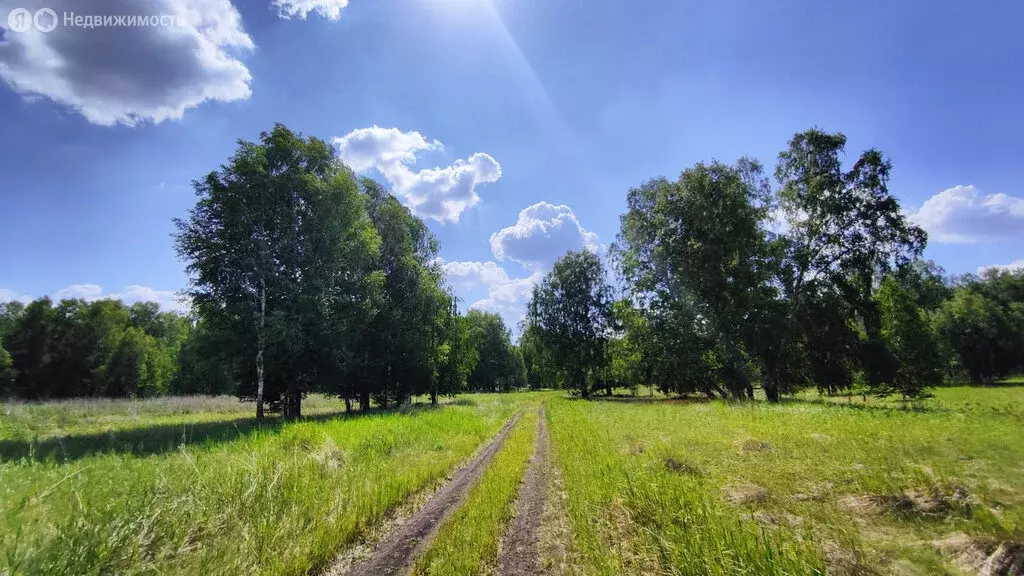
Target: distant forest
(306, 278)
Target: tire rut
(520, 553)
(398, 550)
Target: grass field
(467, 542)
(233, 498)
(662, 486)
(714, 488)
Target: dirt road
(520, 554)
(398, 550)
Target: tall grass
(277, 500)
(632, 513)
(25, 421)
(467, 543)
(716, 488)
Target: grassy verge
(277, 500)
(716, 488)
(467, 543)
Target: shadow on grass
(1011, 382)
(858, 404)
(149, 440)
(839, 402)
(640, 399)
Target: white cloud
(962, 215)
(330, 9)
(88, 292)
(543, 233)
(505, 296)
(126, 75)
(10, 296)
(167, 299)
(509, 298)
(442, 194)
(1015, 266)
(468, 275)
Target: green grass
(241, 498)
(718, 488)
(467, 543)
(197, 486)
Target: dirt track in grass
(520, 552)
(408, 537)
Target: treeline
(304, 279)
(76, 348)
(728, 282)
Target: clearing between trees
(519, 484)
(396, 552)
(520, 548)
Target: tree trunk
(771, 390)
(348, 404)
(364, 400)
(584, 389)
(297, 404)
(261, 342)
(433, 398)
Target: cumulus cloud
(7, 295)
(962, 215)
(330, 9)
(542, 233)
(1015, 266)
(88, 292)
(127, 75)
(468, 274)
(505, 296)
(442, 194)
(167, 299)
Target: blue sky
(514, 127)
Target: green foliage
(696, 246)
(101, 348)
(408, 340)
(982, 325)
(7, 373)
(498, 365)
(630, 348)
(538, 362)
(278, 247)
(571, 313)
(741, 283)
(909, 338)
(204, 363)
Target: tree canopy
(305, 278)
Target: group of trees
(728, 283)
(78, 348)
(314, 280)
(303, 278)
(980, 325)
(306, 278)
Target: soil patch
(408, 537)
(740, 494)
(519, 550)
(984, 557)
